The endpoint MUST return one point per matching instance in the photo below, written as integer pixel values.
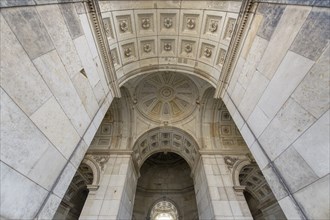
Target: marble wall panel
(290, 23)
(29, 30)
(28, 89)
(60, 36)
(52, 121)
(55, 75)
(19, 192)
(72, 20)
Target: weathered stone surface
(313, 146)
(290, 122)
(72, 20)
(59, 33)
(55, 75)
(29, 30)
(28, 89)
(289, 25)
(258, 121)
(315, 199)
(286, 79)
(295, 170)
(313, 92)
(64, 180)
(18, 191)
(11, 3)
(289, 208)
(274, 183)
(23, 146)
(50, 207)
(314, 34)
(272, 14)
(56, 126)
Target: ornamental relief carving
(191, 23)
(188, 48)
(230, 28)
(213, 26)
(222, 56)
(167, 46)
(123, 25)
(145, 23)
(128, 52)
(208, 52)
(147, 48)
(168, 22)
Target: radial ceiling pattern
(166, 96)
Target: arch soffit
(166, 200)
(237, 167)
(166, 139)
(89, 161)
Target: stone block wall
(278, 96)
(115, 196)
(50, 110)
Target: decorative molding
(230, 161)
(168, 22)
(247, 9)
(101, 40)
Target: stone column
(115, 196)
(215, 193)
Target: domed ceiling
(166, 96)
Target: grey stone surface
(272, 14)
(313, 145)
(19, 193)
(28, 89)
(274, 182)
(315, 199)
(294, 169)
(72, 20)
(58, 31)
(50, 207)
(29, 30)
(40, 2)
(301, 2)
(291, 121)
(11, 3)
(55, 75)
(313, 93)
(314, 35)
(64, 180)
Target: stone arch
(89, 161)
(237, 167)
(166, 139)
(164, 200)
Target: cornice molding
(247, 9)
(101, 40)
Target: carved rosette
(168, 22)
(213, 26)
(123, 25)
(207, 52)
(167, 46)
(128, 52)
(145, 23)
(188, 48)
(147, 48)
(191, 23)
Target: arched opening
(258, 195)
(165, 189)
(74, 198)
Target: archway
(165, 189)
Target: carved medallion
(230, 161)
(147, 48)
(188, 48)
(213, 26)
(168, 22)
(145, 23)
(208, 52)
(128, 52)
(191, 23)
(123, 26)
(167, 46)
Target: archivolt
(166, 139)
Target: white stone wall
(216, 198)
(115, 196)
(279, 98)
(49, 110)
